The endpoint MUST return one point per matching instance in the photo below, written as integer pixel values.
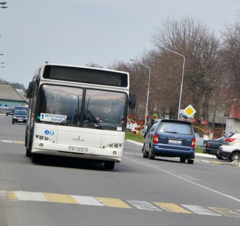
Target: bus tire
(28, 153)
(109, 165)
(34, 158)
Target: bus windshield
(74, 106)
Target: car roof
(174, 120)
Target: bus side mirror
(132, 100)
(31, 89)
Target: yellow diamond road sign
(189, 111)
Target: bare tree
(193, 40)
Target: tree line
(211, 75)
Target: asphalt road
(137, 192)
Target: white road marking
(3, 194)
(87, 200)
(142, 205)
(184, 179)
(200, 210)
(7, 141)
(30, 196)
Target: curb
(196, 154)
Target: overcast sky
(78, 32)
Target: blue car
(170, 138)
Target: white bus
(78, 112)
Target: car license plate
(78, 149)
(175, 142)
(20, 120)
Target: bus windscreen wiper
(94, 119)
(64, 122)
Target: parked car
(211, 146)
(19, 116)
(230, 148)
(170, 138)
(9, 112)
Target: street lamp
(146, 113)
(180, 95)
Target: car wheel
(12, 122)
(235, 156)
(145, 155)
(109, 165)
(150, 155)
(221, 157)
(182, 159)
(190, 161)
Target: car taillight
(208, 145)
(155, 139)
(230, 139)
(193, 145)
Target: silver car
(230, 148)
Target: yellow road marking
(214, 162)
(171, 207)
(18, 142)
(59, 198)
(225, 212)
(11, 195)
(114, 202)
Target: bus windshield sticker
(52, 117)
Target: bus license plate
(78, 149)
(175, 142)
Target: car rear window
(175, 127)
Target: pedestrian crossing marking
(142, 205)
(12, 195)
(200, 210)
(114, 202)
(87, 200)
(225, 212)
(59, 198)
(171, 207)
(30, 196)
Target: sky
(78, 32)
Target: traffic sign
(189, 111)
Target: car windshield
(24, 113)
(175, 127)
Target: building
(10, 98)
(233, 121)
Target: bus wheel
(109, 165)
(28, 153)
(35, 158)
